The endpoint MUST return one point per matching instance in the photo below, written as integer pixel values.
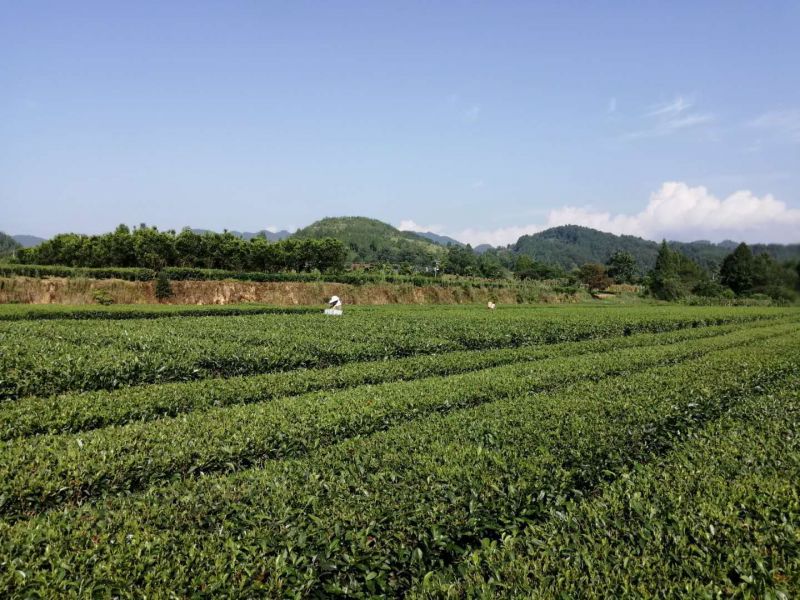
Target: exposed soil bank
(27, 290)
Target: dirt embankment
(56, 290)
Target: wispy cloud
(675, 107)
(784, 124)
(669, 118)
(472, 113)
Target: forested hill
(8, 244)
(572, 246)
(371, 241)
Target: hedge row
(373, 515)
(126, 273)
(716, 518)
(77, 412)
(44, 312)
(194, 274)
(47, 471)
(50, 357)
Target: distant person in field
(334, 306)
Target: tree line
(741, 274)
(146, 247)
(674, 277)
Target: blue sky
(482, 120)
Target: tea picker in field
(334, 306)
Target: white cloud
(668, 118)
(782, 123)
(409, 225)
(496, 237)
(676, 211)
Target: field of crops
(426, 452)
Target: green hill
(572, 245)
(8, 244)
(373, 241)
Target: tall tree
(622, 267)
(737, 269)
(664, 282)
(191, 249)
(153, 249)
(594, 276)
(489, 266)
(674, 275)
(461, 260)
(122, 252)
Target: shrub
(102, 297)
(710, 289)
(594, 276)
(781, 294)
(163, 286)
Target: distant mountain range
(569, 246)
(442, 240)
(28, 241)
(272, 236)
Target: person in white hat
(334, 306)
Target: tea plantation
(427, 452)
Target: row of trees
(149, 248)
(747, 274)
(741, 274)
(462, 260)
(675, 276)
(620, 268)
